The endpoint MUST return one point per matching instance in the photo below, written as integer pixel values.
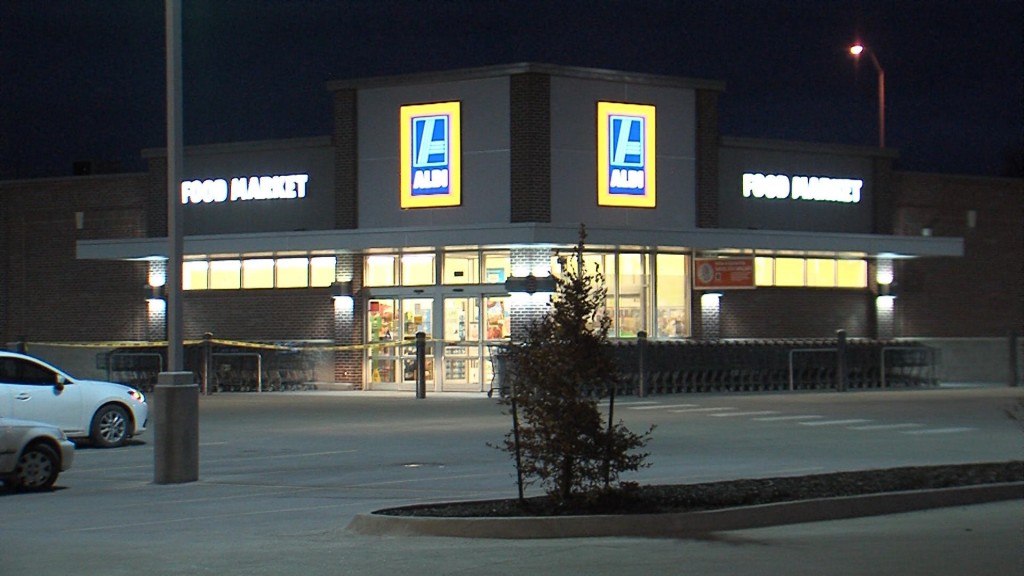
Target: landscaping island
(696, 510)
(663, 499)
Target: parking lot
(281, 476)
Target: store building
(440, 203)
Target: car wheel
(110, 426)
(37, 468)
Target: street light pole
(175, 159)
(856, 50)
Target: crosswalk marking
(938, 431)
(736, 414)
(834, 422)
(702, 410)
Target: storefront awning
(702, 240)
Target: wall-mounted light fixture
(530, 284)
(155, 292)
(341, 289)
(343, 295)
(884, 304)
(711, 315)
(156, 299)
(710, 299)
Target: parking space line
(737, 414)
(834, 422)
(663, 406)
(938, 431)
(785, 418)
(886, 426)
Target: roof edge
(500, 70)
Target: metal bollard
(207, 363)
(841, 360)
(641, 352)
(421, 365)
(1014, 351)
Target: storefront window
(321, 270)
(852, 274)
(417, 270)
(764, 271)
(821, 273)
(789, 271)
(461, 268)
(462, 319)
(671, 293)
(810, 272)
(292, 272)
(497, 268)
(195, 275)
(380, 270)
(631, 309)
(498, 323)
(417, 316)
(258, 273)
(381, 315)
(225, 274)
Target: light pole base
(176, 428)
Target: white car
(32, 454)
(105, 413)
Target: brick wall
(525, 309)
(155, 197)
(47, 294)
(796, 313)
(350, 325)
(883, 196)
(530, 153)
(981, 294)
(346, 204)
(262, 315)
(707, 159)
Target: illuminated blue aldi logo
(626, 170)
(626, 154)
(431, 155)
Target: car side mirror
(59, 384)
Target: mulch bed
(714, 495)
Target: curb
(685, 523)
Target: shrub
(559, 437)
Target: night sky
(84, 79)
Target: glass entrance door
(393, 324)
(462, 362)
(472, 326)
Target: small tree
(559, 370)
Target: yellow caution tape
(378, 346)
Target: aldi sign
(625, 148)
(431, 155)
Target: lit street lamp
(856, 50)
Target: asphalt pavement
(283, 476)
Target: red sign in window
(723, 273)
